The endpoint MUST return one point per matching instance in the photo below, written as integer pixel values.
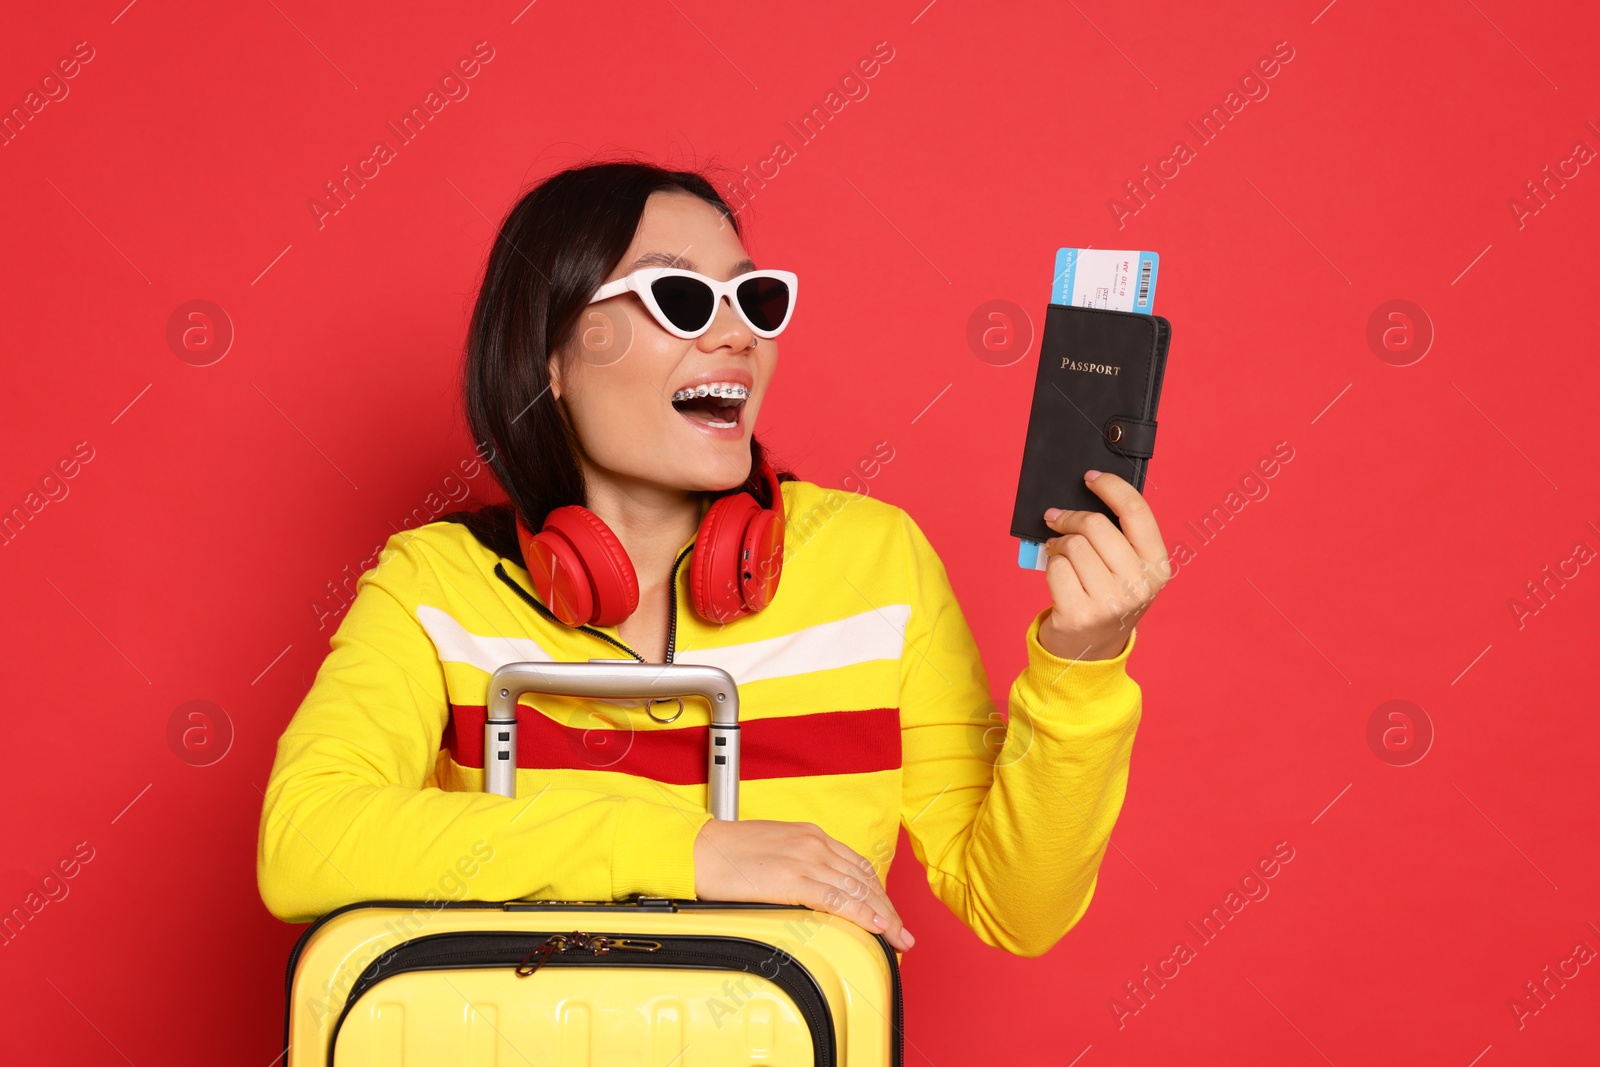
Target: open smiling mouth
(717, 406)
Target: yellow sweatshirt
(864, 703)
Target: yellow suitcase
(649, 981)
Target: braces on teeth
(726, 390)
(729, 390)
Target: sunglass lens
(765, 300)
(687, 303)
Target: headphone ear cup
(604, 589)
(557, 575)
(763, 559)
(714, 574)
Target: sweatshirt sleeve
(346, 816)
(1010, 819)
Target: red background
(185, 559)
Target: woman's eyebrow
(672, 259)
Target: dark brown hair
(555, 247)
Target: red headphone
(584, 576)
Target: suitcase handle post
(616, 678)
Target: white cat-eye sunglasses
(685, 303)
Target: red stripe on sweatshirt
(829, 742)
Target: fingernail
(880, 921)
(1050, 515)
(1091, 476)
(907, 935)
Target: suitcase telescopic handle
(616, 678)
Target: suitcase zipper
(514, 949)
(578, 941)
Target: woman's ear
(551, 368)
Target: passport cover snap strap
(1130, 436)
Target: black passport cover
(1094, 408)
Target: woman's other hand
(1101, 578)
(776, 862)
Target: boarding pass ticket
(1105, 278)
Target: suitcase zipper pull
(553, 943)
(578, 939)
(605, 943)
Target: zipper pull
(553, 943)
(606, 943)
(578, 940)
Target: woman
(864, 702)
